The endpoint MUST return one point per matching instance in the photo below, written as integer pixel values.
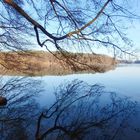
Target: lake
(103, 106)
(125, 80)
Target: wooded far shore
(40, 63)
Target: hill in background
(35, 63)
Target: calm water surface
(125, 125)
(125, 80)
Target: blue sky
(134, 34)
(133, 31)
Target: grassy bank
(35, 63)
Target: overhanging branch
(37, 25)
(90, 22)
(31, 20)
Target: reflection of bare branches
(80, 112)
(17, 117)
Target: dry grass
(36, 63)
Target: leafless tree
(81, 113)
(67, 25)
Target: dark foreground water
(102, 106)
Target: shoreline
(39, 63)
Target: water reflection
(84, 112)
(79, 112)
(19, 115)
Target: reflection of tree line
(79, 112)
